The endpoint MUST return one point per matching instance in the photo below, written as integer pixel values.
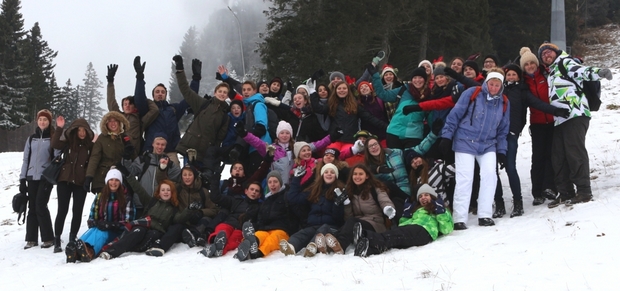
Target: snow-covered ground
(566, 248)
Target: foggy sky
(115, 31)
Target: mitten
(357, 147)
(445, 145)
(119, 166)
(196, 70)
(129, 150)
(341, 197)
(411, 108)
(317, 75)
(195, 206)
(178, 62)
(389, 211)
(23, 188)
(271, 150)
(290, 88)
(450, 72)
(272, 101)
(111, 72)
(139, 68)
(87, 182)
(299, 171)
(605, 73)
(378, 57)
(501, 160)
(437, 126)
(240, 129)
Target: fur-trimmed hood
(118, 116)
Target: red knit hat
(365, 83)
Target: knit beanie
(365, 83)
(494, 58)
(329, 166)
(238, 102)
(332, 151)
(335, 74)
(526, 57)
(388, 68)
(426, 189)
(425, 62)
(420, 72)
(45, 113)
(550, 46)
(298, 146)
(439, 71)
(277, 175)
(302, 86)
(513, 67)
(113, 174)
(473, 65)
(410, 155)
(283, 125)
(364, 133)
(276, 80)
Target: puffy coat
(433, 223)
(150, 178)
(37, 155)
(274, 213)
(239, 208)
(537, 84)
(318, 213)
(368, 210)
(479, 127)
(189, 194)
(77, 152)
(520, 99)
(107, 150)
(210, 124)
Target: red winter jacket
(539, 87)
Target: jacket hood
(116, 115)
(485, 90)
(76, 124)
(258, 97)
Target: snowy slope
(566, 248)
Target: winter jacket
(401, 125)
(107, 150)
(451, 89)
(112, 211)
(348, 122)
(137, 122)
(563, 93)
(167, 121)
(433, 223)
(210, 124)
(76, 153)
(239, 208)
(235, 186)
(479, 127)
(189, 194)
(231, 133)
(274, 213)
(375, 107)
(38, 155)
(390, 107)
(520, 99)
(259, 112)
(368, 210)
(162, 213)
(305, 124)
(146, 168)
(538, 86)
(317, 213)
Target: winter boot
(47, 244)
(579, 198)
(460, 226)
(188, 238)
(333, 244)
(319, 239)
(30, 244)
(550, 194)
(286, 248)
(220, 242)
(517, 208)
(105, 256)
(310, 250)
(500, 209)
(486, 222)
(538, 201)
(71, 252)
(361, 247)
(208, 251)
(243, 251)
(155, 252)
(247, 230)
(85, 251)
(57, 247)
(561, 199)
(201, 242)
(357, 232)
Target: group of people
(372, 164)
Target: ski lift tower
(558, 24)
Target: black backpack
(20, 201)
(592, 89)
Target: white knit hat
(113, 174)
(425, 62)
(283, 125)
(298, 146)
(329, 166)
(526, 57)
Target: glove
(119, 166)
(240, 129)
(139, 68)
(107, 225)
(290, 88)
(271, 150)
(23, 188)
(235, 153)
(445, 145)
(357, 147)
(87, 182)
(411, 108)
(164, 162)
(111, 72)
(440, 208)
(196, 70)
(371, 69)
(341, 197)
(272, 101)
(451, 73)
(311, 86)
(501, 160)
(384, 170)
(605, 73)
(389, 211)
(336, 134)
(317, 75)
(437, 126)
(129, 149)
(378, 57)
(561, 112)
(195, 216)
(299, 171)
(178, 62)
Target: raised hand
(178, 62)
(111, 72)
(139, 68)
(60, 121)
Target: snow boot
(333, 244)
(538, 201)
(319, 239)
(500, 209)
(105, 256)
(579, 198)
(357, 232)
(361, 247)
(47, 244)
(247, 230)
(286, 248)
(310, 250)
(220, 242)
(561, 199)
(486, 222)
(30, 244)
(155, 252)
(243, 251)
(188, 238)
(57, 247)
(71, 252)
(208, 251)
(517, 208)
(85, 251)
(460, 226)
(550, 194)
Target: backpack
(592, 89)
(478, 88)
(19, 203)
(272, 120)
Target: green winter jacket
(434, 224)
(563, 93)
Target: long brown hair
(366, 187)
(371, 160)
(350, 104)
(317, 186)
(75, 142)
(105, 197)
(173, 198)
(420, 173)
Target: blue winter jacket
(318, 213)
(231, 133)
(167, 121)
(260, 115)
(479, 126)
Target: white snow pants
(464, 165)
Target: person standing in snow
(570, 160)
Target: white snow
(566, 248)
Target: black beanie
(420, 72)
(513, 67)
(472, 65)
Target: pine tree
(189, 51)
(39, 60)
(91, 97)
(13, 79)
